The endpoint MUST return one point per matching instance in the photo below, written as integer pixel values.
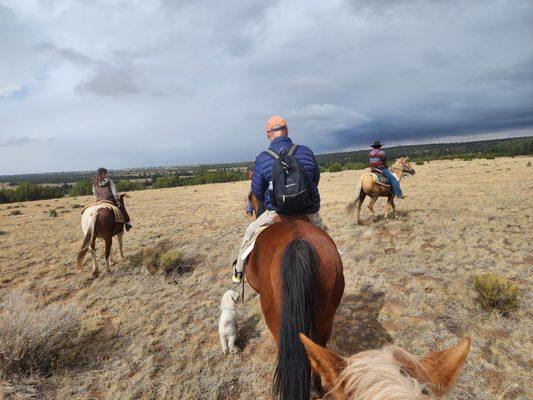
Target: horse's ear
(439, 369)
(123, 195)
(406, 158)
(326, 363)
(444, 367)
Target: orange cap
(276, 123)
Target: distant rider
(104, 189)
(277, 134)
(378, 164)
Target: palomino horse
(367, 187)
(390, 373)
(297, 271)
(100, 223)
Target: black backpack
(289, 190)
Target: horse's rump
(119, 217)
(378, 179)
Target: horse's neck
(397, 172)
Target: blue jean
(394, 182)
(249, 208)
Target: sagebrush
(32, 337)
(496, 292)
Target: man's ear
(325, 363)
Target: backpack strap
(272, 154)
(293, 149)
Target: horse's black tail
(292, 380)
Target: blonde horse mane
(377, 375)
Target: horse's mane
(377, 375)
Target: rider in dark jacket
(104, 189)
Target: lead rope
(242, 293)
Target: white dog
(227, 326)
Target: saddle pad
(119, 217)
(249, 245)
(379, 179)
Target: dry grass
(32, 339)
(408, 281)
(496, 293)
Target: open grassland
(408, 281)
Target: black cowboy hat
(376, 144)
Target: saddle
(379, 178)
(249, 246)
(119, 217)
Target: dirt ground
(408, 282)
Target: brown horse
(367, 187)
(99, 222)
(297, 271)
(390, 373)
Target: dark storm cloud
(189, 81)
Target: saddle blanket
(119, 217)
(249, 246)
(379, 179)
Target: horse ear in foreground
(389, 373)
(98, 221)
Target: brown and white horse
(297, 271)
(390, 373)
(99, 222)
(367, 187)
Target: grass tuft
(496, 293)
(32, 337)
(163, 258)
(15, 212)
(52, 212)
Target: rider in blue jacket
(277, 133)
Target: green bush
(528, 164)
(52, 213)
(166, 182)
(81, 188)
(15, 212)
(496, 293)
(335, 167)
(125, 185)
(27, 191)
(170, 260)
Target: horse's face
(387, 373)
(406, 166)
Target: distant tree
(165, 182)
(125, 185)
(81, 188)
(335, 167)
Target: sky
(121, 84)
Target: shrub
(2, 233)
(32, 337)
(125, 185)
(76, 206)
(81, 188)
(166, 182)
(528, 164)
(52, 213)
(170, 260)
(15, 212)
(335, 167)
(496, 292)
(163, 258)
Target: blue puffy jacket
(263, 172)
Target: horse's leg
(360, 200)
(108, 243)
(371, 207)
(119, 239)
(93, 255)
(392, 205)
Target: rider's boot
(236, 277)
(128, 226)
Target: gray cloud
(22, 141)
(170, 82)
